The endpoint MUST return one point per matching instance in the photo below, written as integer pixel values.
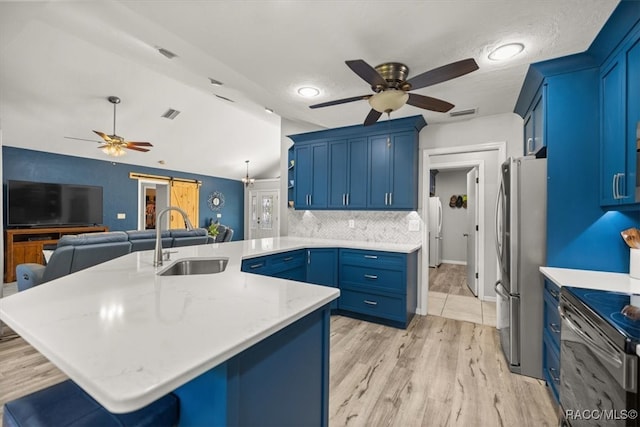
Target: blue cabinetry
(620, 125)
(551, 338)
(322, 268)
(379, 285)
(357, 167)
(347, 172)
(290, 177)
(535, 141)
(311, 176)
(287, 265)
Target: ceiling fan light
(113, 150)
(506, 51)
(389, 100)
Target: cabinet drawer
(370, 278)
(287, 260)
(255, 265)
(552, 288)
(552, 318)
(551, 366)
(371, 258)
(392, 308)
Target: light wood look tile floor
(438, 372)
(450, 297)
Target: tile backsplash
(369, 226)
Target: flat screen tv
(41, 204)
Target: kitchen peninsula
(237, 348)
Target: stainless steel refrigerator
(521, 229)
(435, 231)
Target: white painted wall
(454, 220)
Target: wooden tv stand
(23, 245)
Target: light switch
(122, 216)
(414, 225)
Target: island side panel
(283, 380)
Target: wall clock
(215, 201)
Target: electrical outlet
(414, 225)
(352, 223)
(219, 215)
(122, 216)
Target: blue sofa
(77, 252)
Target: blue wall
(119, 191)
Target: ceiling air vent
(171, 114)
(459, 113)
(225, 98)
(166, 53)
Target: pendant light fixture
(246, 180)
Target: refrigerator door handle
(439, 216)
(497, 242)
(498, 288)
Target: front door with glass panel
(264, 218)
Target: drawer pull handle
(371, 256)
(370, 302)
(554, 375)
(256, 265)
(371, 276)
(554, 293)
(555, 328)
(287, 259)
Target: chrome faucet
(157, 257)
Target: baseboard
(489, 299)
(448, 261)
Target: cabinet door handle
(554, 375)
(348, 199)
(529, 149)
(256, 265)
(371, 276)
(390, 199)
(287, 259)
(386, 199)
(614, 187)
(310, 199)
(555, 328)
(308, 256)
(621, 194)
(370, 302)
(554, 294)
(371, 256)
(344, 199)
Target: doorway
(153, 196)
(264, 216)
(487, 158)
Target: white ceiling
(59, 60)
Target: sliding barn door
(186, 196)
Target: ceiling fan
(114, 144)
(391, 87)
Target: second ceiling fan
(391, 87)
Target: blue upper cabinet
(535, 141)
(620, 124)
(347, 168)
(357, 167)
(311, 178)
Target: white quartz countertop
(602, 280)
(128, 336)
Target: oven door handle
(613, 358)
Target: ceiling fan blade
(84, 139)
(366, 72)
(140, 144)
(429, 103)
(132, 147)
(444, 73)
(372, 117)
(102, 135)
(341, 101)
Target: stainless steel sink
(189, 266)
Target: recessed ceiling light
(308, 91)
(268, 110)
(506, 51)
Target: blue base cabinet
(359, 167)
(322, 268)
(551, 339)
(381, 285)
(280, 381)
(374, 285)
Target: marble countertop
(602, 280)
(128, 336)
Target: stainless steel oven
(598, 366)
